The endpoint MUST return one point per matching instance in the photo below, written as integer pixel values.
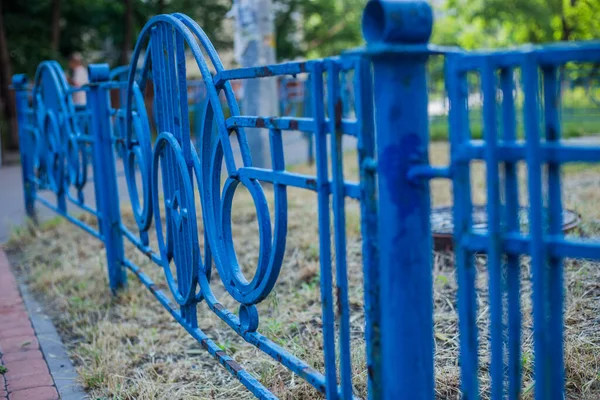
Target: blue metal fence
(390, 121)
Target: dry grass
(128, 347)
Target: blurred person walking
(79, 77)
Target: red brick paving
(39, 393)
(24, 355)
(17, 330)
(26, 376)
(30, 381)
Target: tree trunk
(6, 96)
(127, 33)
(55, 26)
(566, 29)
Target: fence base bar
(229, 363)
(70, 218)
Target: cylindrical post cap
(397, 21)
(98, 72)
(19, 80)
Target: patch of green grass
(52, 223)
(575, 123)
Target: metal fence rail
(389, 118)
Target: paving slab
(35, 362)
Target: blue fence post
(25, 145)
(105, 176)
(401, 348)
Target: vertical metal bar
(161, 101)
(172, 122)
(169, 72)
(324, 231)
(335, 106)
(537, 252)
(405, 279)
(165, 124)
(25, 146)
(188, 311)
(363, 84)
(276, 143)
(107, 195)
(184, 114)
(494, 250)
(456, 85)
(513, 281)
(555, 221)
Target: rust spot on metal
(294, 124)
(265, 71)
(220, 354)
(312, 183)
(204, 344)
(302, 66)
(233, 365)
(219, 306)
(152, 288)
(260, 123)
(338, 295)
(338, 114)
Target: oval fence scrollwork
(61, 152)
(174, 161)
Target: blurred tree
(208, 14)
(35, 30)
(309, 28)
(6, 98)
(494, 23)
(55, 25)
(126, 46)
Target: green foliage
(94, 27)
(304, 28)
(576, 122)
(495, 23)
(325, 28)
(208, 14)
(27, 24)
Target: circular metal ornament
(181, 244)
(138, 156)
(54, 160)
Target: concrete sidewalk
(12, 205)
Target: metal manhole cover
(442, 223)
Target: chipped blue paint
(377, 94)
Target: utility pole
(254, 46)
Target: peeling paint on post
(402, 352)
